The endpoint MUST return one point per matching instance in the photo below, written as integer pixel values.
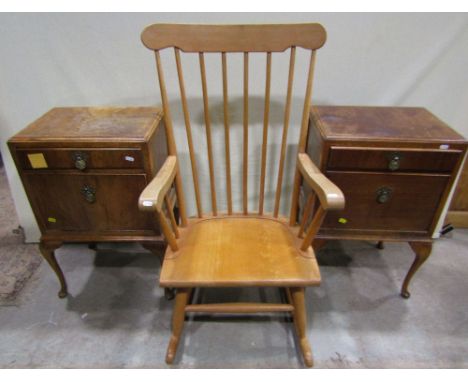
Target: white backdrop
(50, 60)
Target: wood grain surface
(233, 38)
(239, 250)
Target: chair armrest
(330, 196)
(152, 197)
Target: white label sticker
(129, 158)
(147, 203)
(444, 147)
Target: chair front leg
(300, 322)
(178, 318)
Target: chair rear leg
(178, 318)
(300, 320)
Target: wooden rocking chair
(245, 248)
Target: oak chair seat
(231, 251)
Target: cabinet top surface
(382, 123)
(92, 124)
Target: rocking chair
(243, 248)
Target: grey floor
(116, 316)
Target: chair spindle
(287, 112)
(188, 130)
(313, 228)
(208, 133)
(266, 115)
(166, 230)
(302, 138)
(172, 219)
(171, 146)
(307, 211)
(245, 200)
(226, 133)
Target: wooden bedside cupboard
(83, 170)
(396, 167)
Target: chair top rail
(234, 38)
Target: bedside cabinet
(83, 170)
(396, 167)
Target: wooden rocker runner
(238, 248)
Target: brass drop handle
(383, 195)
(80, 160)
(89, 193)
(394, 162)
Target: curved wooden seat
(239, 251)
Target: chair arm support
(152, 197)
(330, 196)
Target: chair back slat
(233, 38)
(227, 144)
(188, 130)
(302, 137)
(171, 146)
(287, 112)
(208, 134)
(266, 116)
(245, 169)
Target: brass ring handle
(383, 195)
(89, 193)
(80, 160)
(394, 162)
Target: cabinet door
(84, 202)
(391, 202)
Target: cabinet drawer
(386, 201)
(83, 202)
(379, 159)
(108, 158)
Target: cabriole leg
(47, 249)
(422, 252)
